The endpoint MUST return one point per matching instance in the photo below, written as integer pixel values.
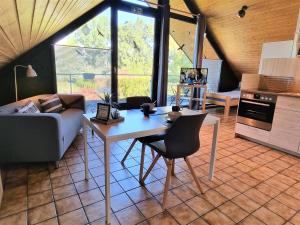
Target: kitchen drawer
(252, 132)
(288, 103)
(287, 121)
(285, 140)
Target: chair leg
(153, 153)
(167, 183)
(173, 168)
(142, 162)
(150, 168)
(128, 151)
(193, 174)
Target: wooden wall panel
(241, 39)
(26, 23)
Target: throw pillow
(51, 104)
(29, 107)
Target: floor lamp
(30, 72)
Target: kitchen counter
(287, 94)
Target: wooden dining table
(136, 125)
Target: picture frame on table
(103, 111)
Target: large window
(83, 59)
(181, 49)
(135, 54)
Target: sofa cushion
(29, 107)
(71, 124)
(51, 104)
(11, 108)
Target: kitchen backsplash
(279, 84)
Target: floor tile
(120, 201)
(134, 218)
(139, 194)
(199, 221)
(296, 219)
(268, 216)
(217, 218)
(16, 219)
(172, 200)
(245, 203)
(200, 205)
(183, 214)
(91, 196)
(41, 213)
(75, 217)
(280, 209)
(85, 185)
(52, 221)
(184, 193)
(214, 198)
(68, 204)
(234, 212)
(64, 191)
(13, 206)
(163, 218)
(40, 199)
(150, 207)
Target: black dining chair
(180, 141)
(135, 103)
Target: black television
(193, 75)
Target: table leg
(178, 95)
(107, 180)
(86, 163)
(191, 97)
(214, 150)
(204, 100)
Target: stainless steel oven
(257, 109)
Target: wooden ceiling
(241, 39)
(25, 23)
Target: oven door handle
(255, 103)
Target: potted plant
(106, 97)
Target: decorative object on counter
(103, 111)
(107, 114)
(146, 109)
(176, 108)
(30, 72)
(110, 121)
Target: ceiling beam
(193, 7)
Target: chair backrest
(135, 102)
(182, 138)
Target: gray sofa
(39, 137)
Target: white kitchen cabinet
(285, 131)
(280, 67)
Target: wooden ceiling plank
(76, 9)
(6, 44)
(53, 17)
(38, 15)
(61, 12)
(60, 21)
(9, 23)
(25, 15)
(47, 16)
(241, 39)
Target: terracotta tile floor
(253, 185)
